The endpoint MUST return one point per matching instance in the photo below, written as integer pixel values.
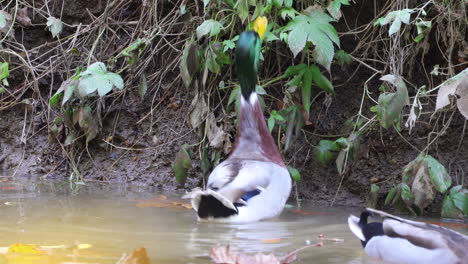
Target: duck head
(247, 55)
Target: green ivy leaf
(406, 193)
(313, 26)
(307, 89)
(4, 71)
(288, 12)
(391, 194)
(189, 62)
(320, 80)
(181, 164)
(459, 197)
(278, 3)
(230, 43)
(97, 78)
(53, 101)
(438, 174)
(396, 17)
(242, 8)
(449, 210)
(334, 8)
(55, 26)
(323, 152)
(210, 26)
(391, 104)
(295, 174)
(343, 58)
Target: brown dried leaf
(138, 256)
(462, 104)
(163, 202)
(22, 17)
(5, 22)
(216, 134)
(199, 111)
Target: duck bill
(211, 204)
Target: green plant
(422, 178)
(77, 94)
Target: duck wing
(424, 234)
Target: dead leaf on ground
(199, 112)
(453, 87)
(5, 22)
(22, 17)
(216, 134)
(163, 201)
(138, 256)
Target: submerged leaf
(138, 256)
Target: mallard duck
(253, 183)
(399, 240)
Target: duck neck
(253, 139)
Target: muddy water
(118, 219)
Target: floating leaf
(138, 256)
(323, 152)
(295, 174)
(181, 164)
(210, 26)
(55, 26)
(313, 26)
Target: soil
(142, 152)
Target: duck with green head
(252, 183)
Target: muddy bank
(141, 134)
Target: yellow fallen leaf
(83, 246)
(138, 256)
(163, 202)
(25, 249)
(272, 240)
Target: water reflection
(107, 218)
